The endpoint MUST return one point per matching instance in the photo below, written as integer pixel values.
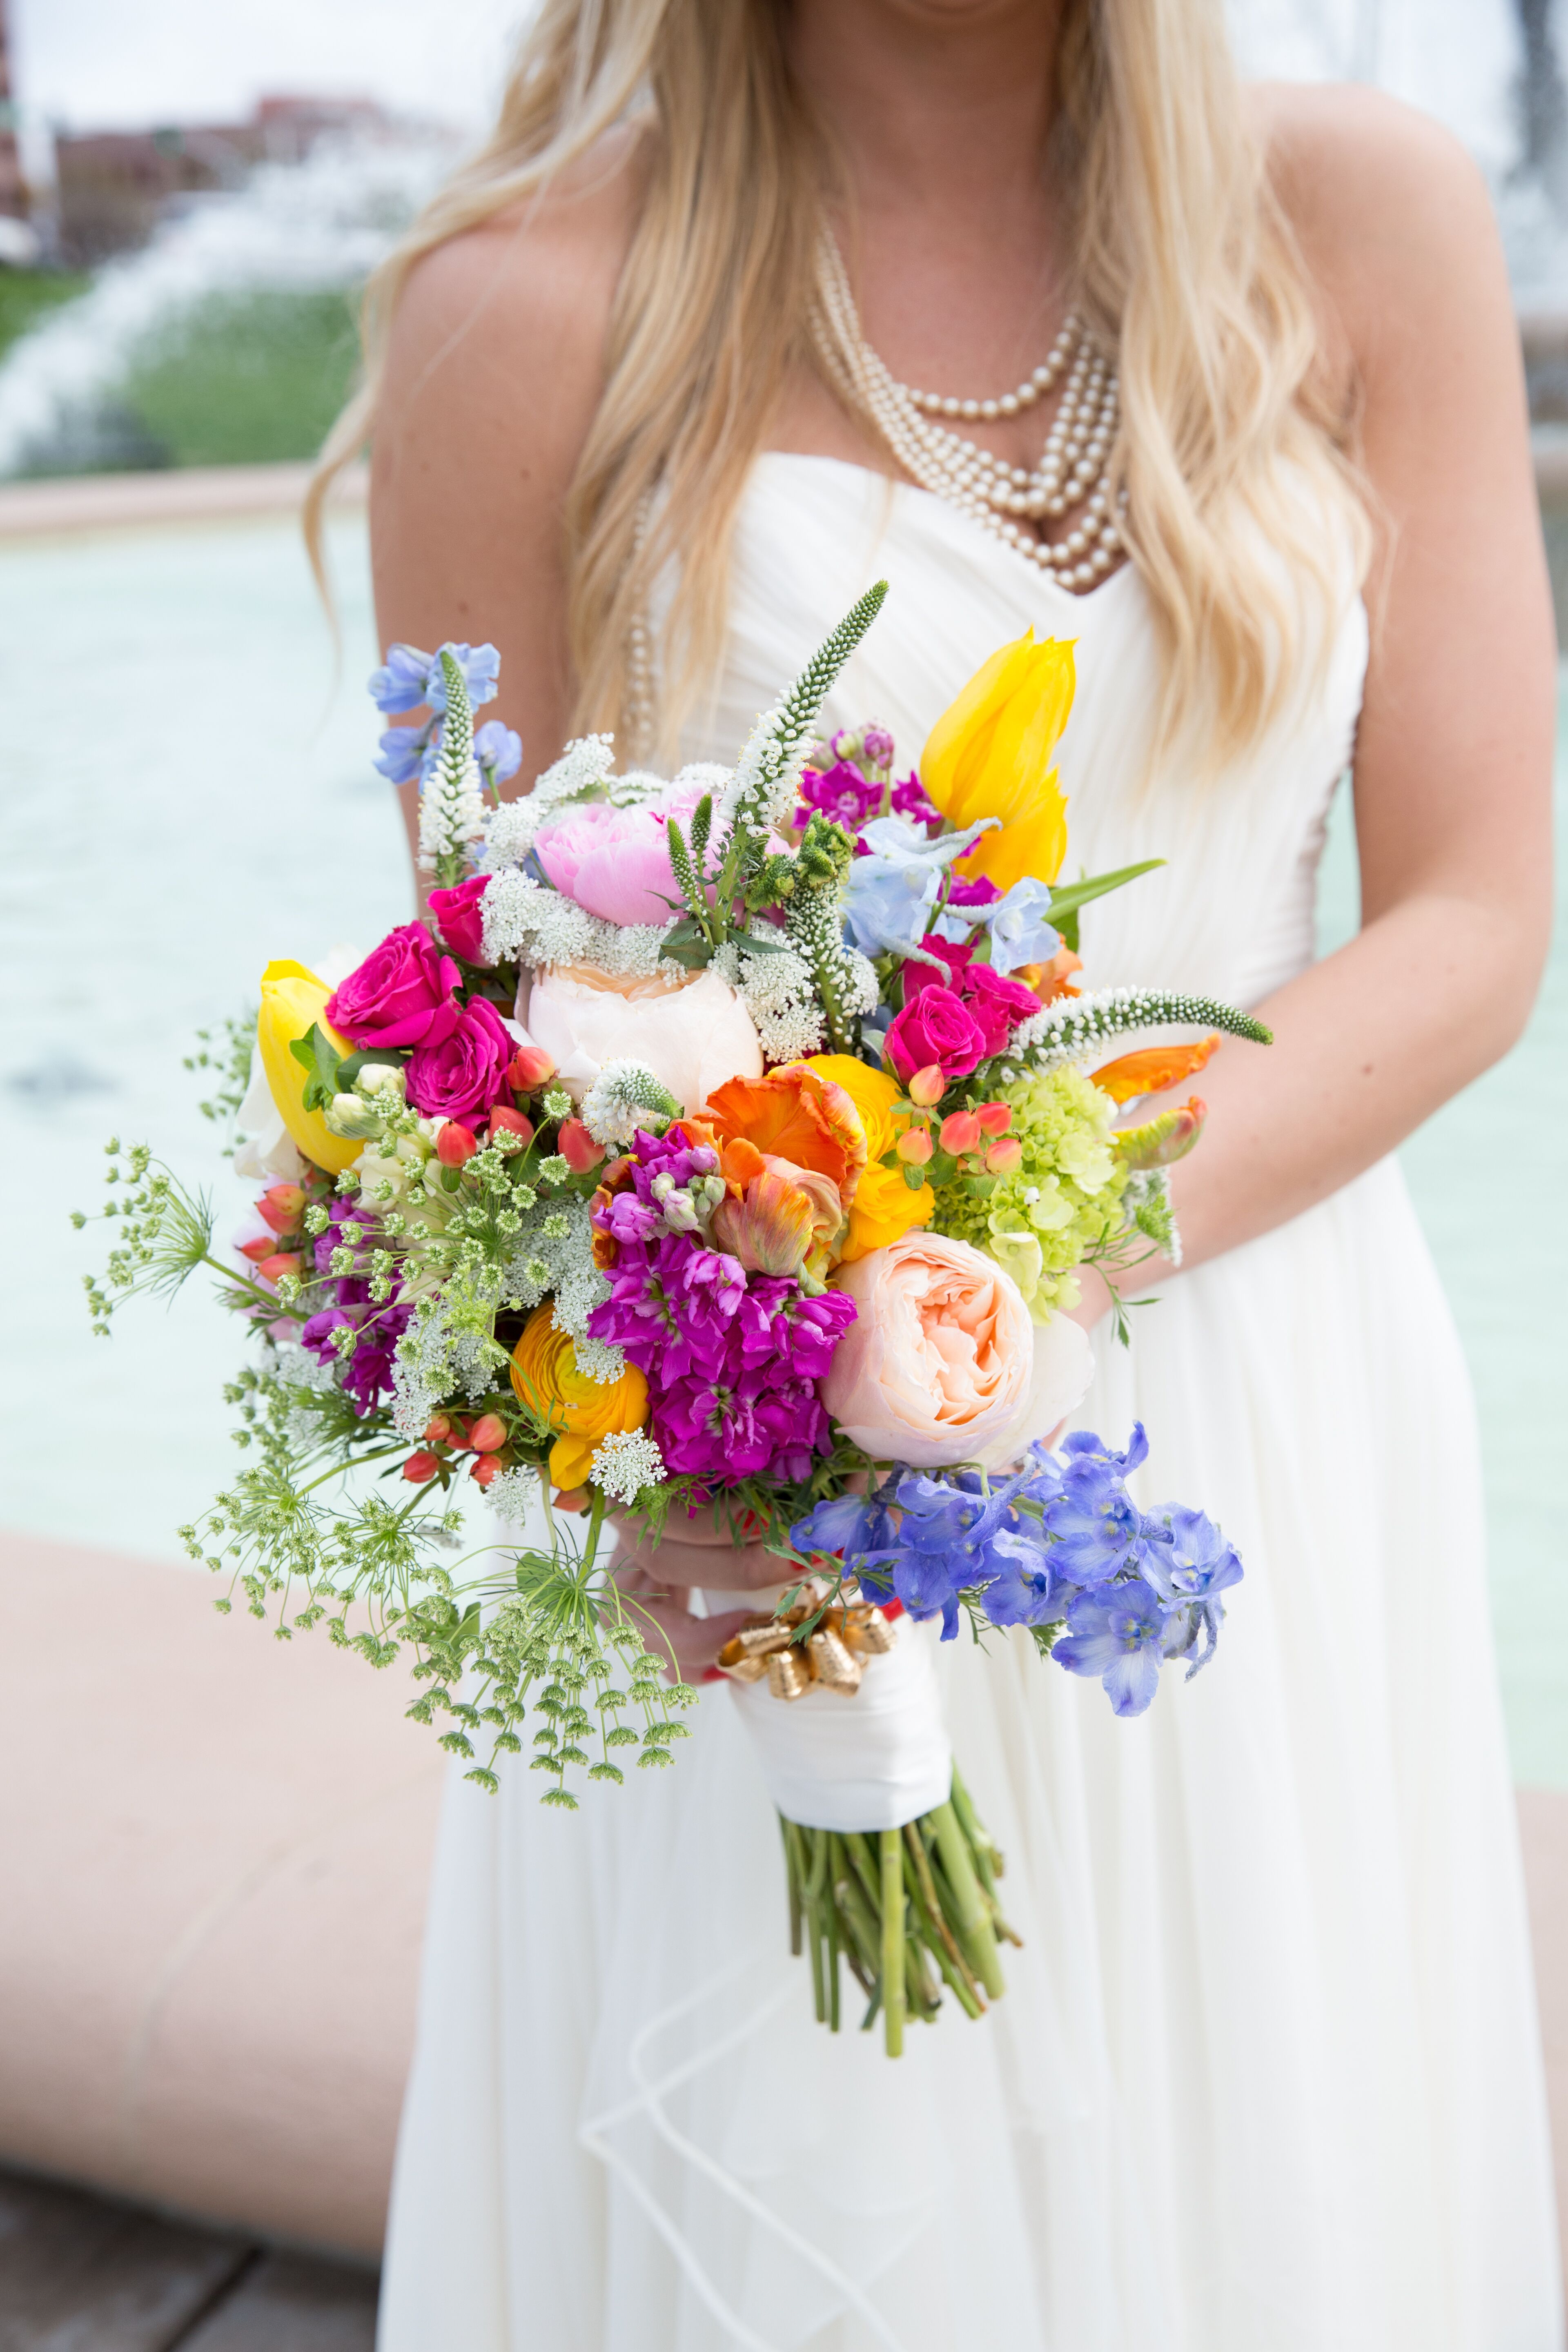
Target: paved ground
(78, 2274)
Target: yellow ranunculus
(883, 1206)
(989, 755)
(547, 1380)
(292, 1002)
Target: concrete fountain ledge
(92, 502)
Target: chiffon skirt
(1266, 2076)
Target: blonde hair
(1241, 490)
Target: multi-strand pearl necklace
(1073, 467)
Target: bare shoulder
(509, 318)
(1393, 217)
(494, 372)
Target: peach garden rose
(937, 1364)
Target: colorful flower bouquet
(718, 1149)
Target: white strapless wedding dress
(1267, 2077)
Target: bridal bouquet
(722, 1147)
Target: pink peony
(692, 1032)
(616, 862)
(465, 1073)
(459, 917)
(402, 994)
(935, 1026)
(938, 1362)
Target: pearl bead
(1008, 403)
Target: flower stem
(974, 1920)
(892, 1856)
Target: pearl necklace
(1073, 467)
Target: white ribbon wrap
(872, 1761)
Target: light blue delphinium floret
(891, 893)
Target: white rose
(692, 1034)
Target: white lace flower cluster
(584, 766)
(624, 1462)
(423, 1371)
(777, 992)
(623, 1098)
(553, 1257)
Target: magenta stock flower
(733, 1363)
(465, 1073)
(402, 994)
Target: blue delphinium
(1118, 1634)
(891, 892)
(1059, 1543)
(410, 676)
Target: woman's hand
(657, 1578)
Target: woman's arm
(494, 376)
(1452, 761)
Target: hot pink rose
(616, 862)
(459, 917)
(465, 1073)
(402, 994)
(998, 1002)
(936, 1026)
(937, 1363)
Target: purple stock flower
(366, 1375)
(841, 793)
(733, 1365)
(909, 799)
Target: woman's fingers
(722, 1567)
(686, 1646)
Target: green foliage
(246, 379)
(229, 1051)
(28, 296)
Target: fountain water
(321, 224)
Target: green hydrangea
(1063, 1201)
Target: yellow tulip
(883, 1206)
(293, 1001)
(545, 1378)
(989, 755)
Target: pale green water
(185, 795)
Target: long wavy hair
(1235, 452)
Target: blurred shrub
(27, 294)
(244, 379)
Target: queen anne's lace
(624, 1462)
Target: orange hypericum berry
(419, 1468)
(438, 1430)
(273, 1269)
(577, 1146)
(530, 1067)
(512, 1123)
(996, 1118)
(454, 1144)
(264, 1246)
(488, 1466)
(928, 1086)
(282, 1206)
(960, 1131)
(1002, 1159)
(488, 1434)
(914, 1145)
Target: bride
(643, 388)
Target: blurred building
(13, 192)
(112, 187)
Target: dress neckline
(1075, 600)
